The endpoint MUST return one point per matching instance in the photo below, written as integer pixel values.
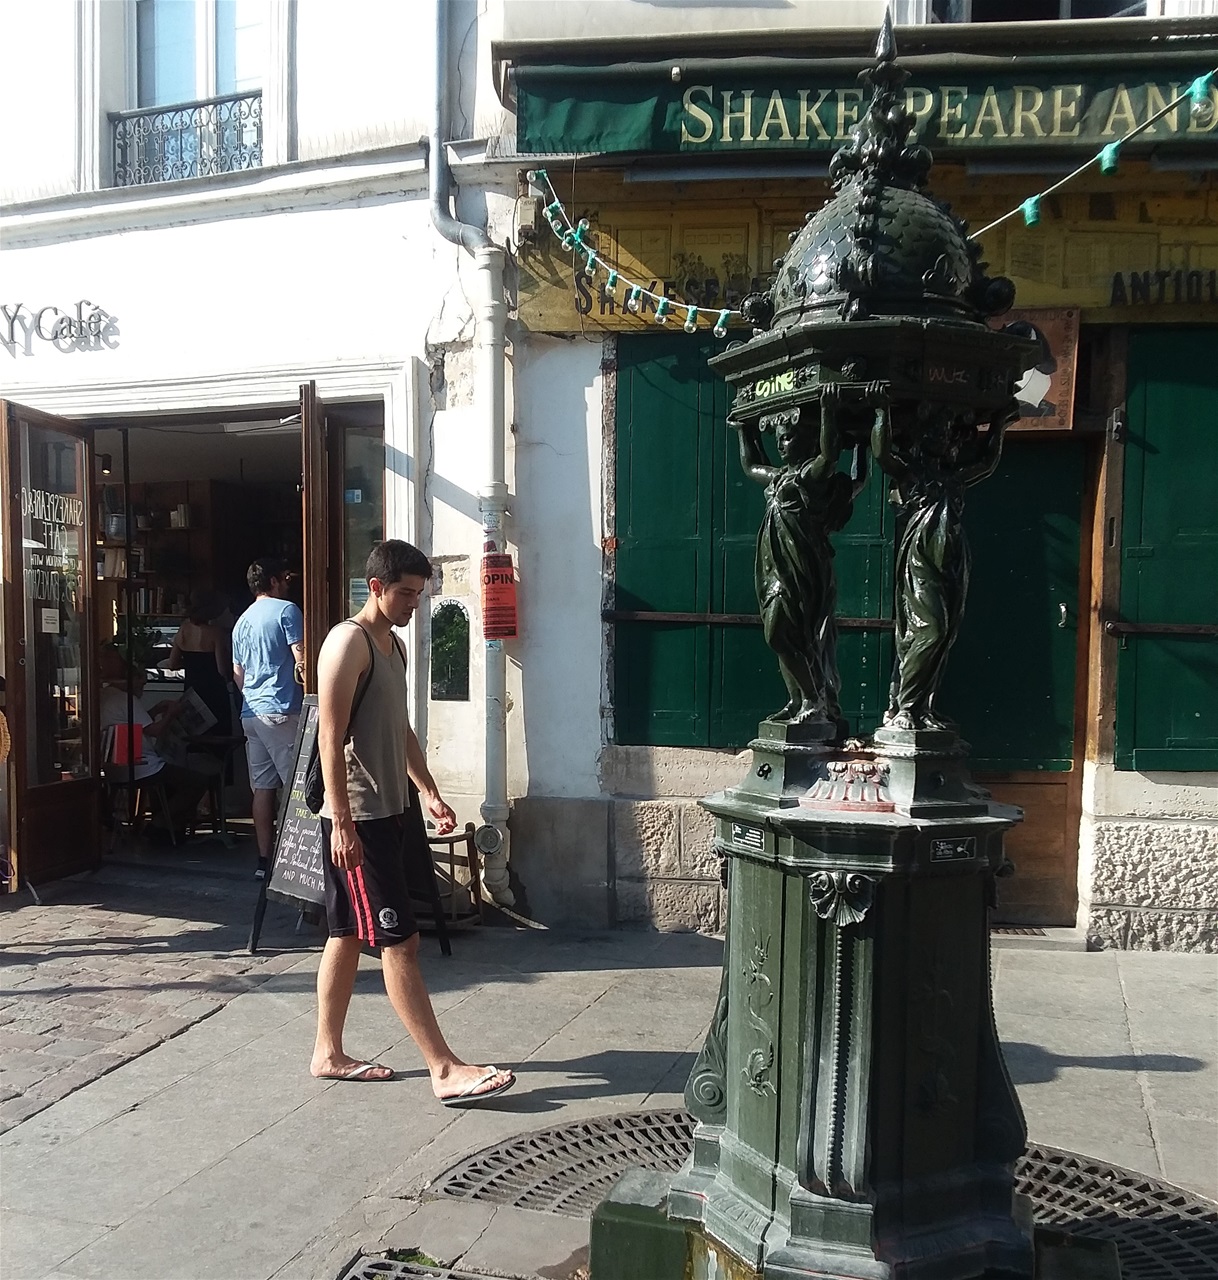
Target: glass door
(322, 502)
(49, 658)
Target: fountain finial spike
(886, 42)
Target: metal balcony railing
(188, 139)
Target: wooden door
(322, 524)
(49, 658)
(1013, 675)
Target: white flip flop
(359, 1072)
(469, 1096)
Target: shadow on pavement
(1034, 1064)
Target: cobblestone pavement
(114, 963)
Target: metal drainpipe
(490, 313)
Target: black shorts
(373, 901)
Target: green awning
(727, 108)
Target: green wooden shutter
(664, 499)
(1167, 686)
(687, 520)
(746, 685)
(1010, 680)
(863, 562)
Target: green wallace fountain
(855, 1117)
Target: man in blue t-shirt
(268, 649)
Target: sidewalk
(214, 1154)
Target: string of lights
(1108, 156)
(574, 238)
(574, 235)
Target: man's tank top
(376, 747)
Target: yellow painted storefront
(1111, 253)
(1138, 247)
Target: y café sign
(82, 326)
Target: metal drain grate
(370, 1268)
(1018, 931)
(1161, 1232)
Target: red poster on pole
(498, 597)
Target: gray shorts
(269, 744)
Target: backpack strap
(365, 682)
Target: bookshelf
(170, 555)
(187, 535)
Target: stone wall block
(633, 904)
(672, 906)
(1155, 864)
(697, 836)
(686, 772)
(561, 862)
(1111, 927)
(646, 838)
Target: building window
(1040, 10)
(187, 50)
(165, 52)
(450, 653)
(199, 71)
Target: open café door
(322, 519)
(50, 693)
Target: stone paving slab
(111, 965)
(213, 1154)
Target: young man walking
(366, 758)
(268, 646)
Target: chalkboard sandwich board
(297, 874)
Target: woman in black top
(200, 649)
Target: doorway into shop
(164, 512)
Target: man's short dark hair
(393, 560)
(263, 571)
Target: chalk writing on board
(297, 872)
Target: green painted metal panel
(750, 1146)
(1010, 681)
(1167, 686)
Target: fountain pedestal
(855, 1117)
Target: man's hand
(346, 848)
(446, 820)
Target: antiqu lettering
(1150, 288)
(717, 116)
(86, 327)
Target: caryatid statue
(931, 464)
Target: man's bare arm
(420, 775)
(341, 662)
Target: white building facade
(205, 301)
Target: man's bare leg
(408, 994)
(335, 982)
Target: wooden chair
(139, 796)
(442, 844)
